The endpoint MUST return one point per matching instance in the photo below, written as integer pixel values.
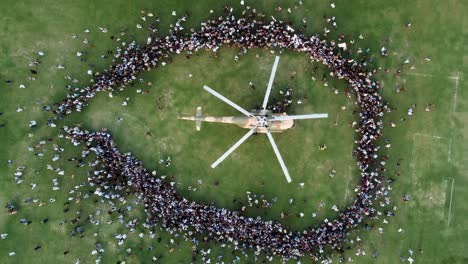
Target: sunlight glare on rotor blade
(297, 117)
(234, 147)
(278, 155)
(227, 101)
(270, 82)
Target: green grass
(253, 167)
(428, 163)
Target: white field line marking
(159, 150)
(429, 75)
(136, 120)
(337, 116)
(453, 117)
(412, 154)
(412, 166)
(346, 191)
(349, 173)
(418, 74)
(347, 184)
(450, 205)
(424, 135)
(456, 93)
(449, 150)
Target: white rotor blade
(227, 101)
(278, 155)
(238, 143)
(296, 117)
(270, 83)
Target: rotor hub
(262, 121)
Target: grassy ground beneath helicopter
(253, 165)
(429, 145)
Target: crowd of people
(116, 173)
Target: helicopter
(258, 121)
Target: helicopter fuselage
(262, 119)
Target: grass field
(429, 146)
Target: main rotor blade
(227, 101)
(278, 155)
(296, 117)
(238, 143)
(270, 82)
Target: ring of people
(114, 171)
